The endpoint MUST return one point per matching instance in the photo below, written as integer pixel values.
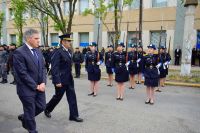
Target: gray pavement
(176, 110)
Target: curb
(174, 83)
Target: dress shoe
(76, 119)
(21, 118)
(47, 114)
(158, 90)
(4, 81)
(117, 98)
(147, 101)
(121, 99)
(14, 83)
(151, 102)
(91, 94)
(110, 85)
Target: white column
(105, 39)
(75, 39)
(146, 38)
(189, 40)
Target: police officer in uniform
(62, 79)
(132, 57)
(121, 72)
(109, 64)
(140, 61)
(151, 73)
(12, 48)
(3, 64)
(164, 61)
(93, 60)
(77, 59)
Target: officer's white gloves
(138, 60)
(158, 66)
(99, 62)
(167, 63)
(113, 70)
(127, 63)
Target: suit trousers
(71, 98)
(32, 106)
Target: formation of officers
(127, 66)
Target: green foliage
(101, 12)
(19, 8)
(1, 21)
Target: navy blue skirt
(109, 70)
(121, 74)
(163, 73)
(94, 73)
(151, 77)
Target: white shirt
(30, 48)
(67, 51)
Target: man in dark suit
(177, 55)
(61, 64)
(77, 59)
(30, 75)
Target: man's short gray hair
(28, 33)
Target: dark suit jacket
(61, 64)
(178, 53)
(28, 73)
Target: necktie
(35, 55)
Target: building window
(159, 3)
(66, 7)
(26, 15)
(54, 39)
(11, 14)
(84, 39)
(135, 4)
(155, 38)
(83, 4)
(33, 13)
(13, 38)
(133, 37)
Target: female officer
(164, 59)
(109, 65)
(93, 60)
(151, 73)
(132, 65)
(140, 62)
(121, 73)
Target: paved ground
(177, 110)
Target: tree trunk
(116, 24)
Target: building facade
(166, 13)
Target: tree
(43, 20)
(1, 22)
(19, 7)
(101, 12)
(53, 9)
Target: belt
(133, 61)
(151, 67)
(92, 63)
(120, 64)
